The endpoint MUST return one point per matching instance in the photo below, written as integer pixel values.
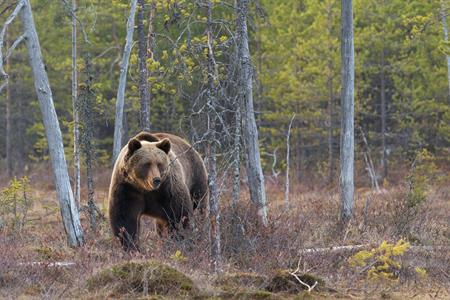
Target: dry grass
(258, 254)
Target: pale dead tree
(250, 131)
(211, 94)
(369, 163)
(236, 191)
(443, 14)
(144, 93)
(347, 108)
(118, 125)
(288, 147)
(275, 173)
(69, 211)
(76, 131)
(3, 75)
(85, 109)
(151, 34)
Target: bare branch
(71, 13)
(295, 274)
(14, 46)
(9, 20)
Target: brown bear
(159, 175)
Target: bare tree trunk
(69, 211)
(214, 213)
(76, 137)
(118, 127)
(237, 157)
(125, 126)
(286, 190)
(250, 131)
(143, 73)
(87, 128)
(369, 163)
(151, 45)
(9, 159)
(383, 116)
(151, 34)
(347, 107)
(445, 28)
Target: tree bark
(143, 73)
(286, 189)
(250, 131)
(347, 107)
(214, 213)
(86, 99)
(151, 34)
(76, 131)
(69, 211)
(236, 157)
(118, 127)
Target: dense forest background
(400, 65)
(305, 225)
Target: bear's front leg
(125, 213)
(181, 208)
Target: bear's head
(147, 163)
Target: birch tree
(85, 110)
(118, 125)
(236, 191)
(144, 93)
(69, 211)
(214, 213)
(76, 135)
(288, 148)
(347, 108)
(250, 131)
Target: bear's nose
(156, 181)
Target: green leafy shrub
(380, 262)
(15, 203)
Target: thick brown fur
(159, 175)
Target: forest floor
(257, 263)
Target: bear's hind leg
(162, 227)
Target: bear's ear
(164, 145)
(146, 136)
(133, 145)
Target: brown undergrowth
(253, 257)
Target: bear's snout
(156, 182)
